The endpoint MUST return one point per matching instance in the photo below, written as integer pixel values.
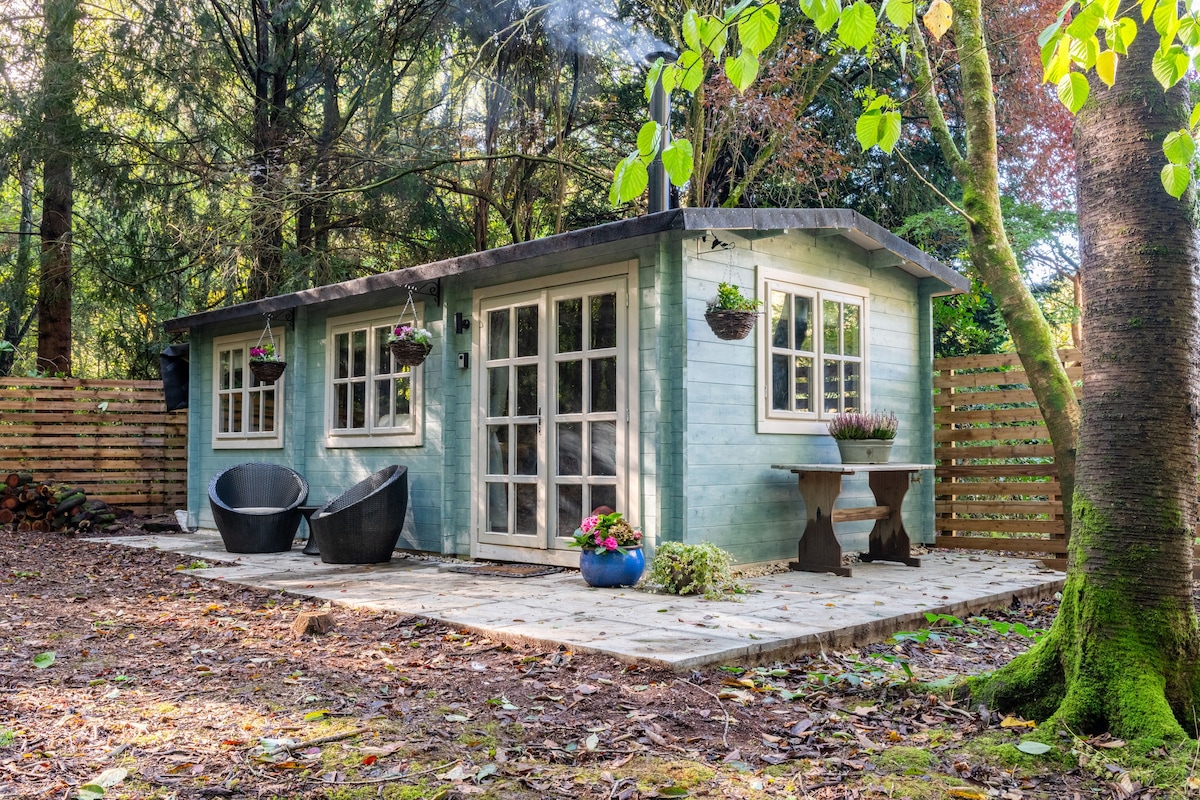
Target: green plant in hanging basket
(410, 345)
(730, 314)
(265, 363)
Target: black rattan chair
(257, 507)
(362, 525)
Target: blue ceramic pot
(613, 568)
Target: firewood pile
(30, 506)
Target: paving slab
(780, 616)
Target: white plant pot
(864, 451)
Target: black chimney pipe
(660, 112)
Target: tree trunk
(59, 126)
(1121, 656)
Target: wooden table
(820, 485)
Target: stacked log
(30, 506)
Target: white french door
(552, 441)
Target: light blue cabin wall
(733, 497)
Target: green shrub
(702, 568)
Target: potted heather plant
(410, 344)
(730, 314)
(864, 437)
(610, 551)
(265, 363)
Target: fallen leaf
(1015, 722)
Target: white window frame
(772, 420)
(243, 440)
(409, 434)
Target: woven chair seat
(257, 507)
(363, 524)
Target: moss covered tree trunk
(1121, 655)
(977, 171)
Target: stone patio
(781, 615)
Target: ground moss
(906, 760)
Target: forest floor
(123, 676)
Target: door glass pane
(527, 450)
(833, 386)
(498, 334)
(358, 348)
(804, 333)
(570, 325)
(604, 448)
(570, 387)
(358, 404)
(497, 507)
(341, 405)
(527, 331)
(832, 323)
(779, 382)
(604, 384)
(852, 383)
(604, 496)
(804, 384)
(525, 502)
(383, 404)
(570, 440)
(497, 449)
(498, 392)
(341, 349)
(604, 321)
(779, 320)
(570, 509)
(852, 330)
(527, 390)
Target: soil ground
(123, 676)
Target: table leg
(819, 550)
(889, 541)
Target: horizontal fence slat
(995, 433)
(997, 488)
(1023, 545)
(971, 450)
(988, 415)
(996, 470)
(1013, 377)
(1052, 527)
(1068, 355)
(944, 399)
(999, 507)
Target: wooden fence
(997, 487)
(113, 439)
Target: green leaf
(889, 131)
(677, 161)
(1189, 32)
(43, 660)
(1048, 33)
(1121, 35)
(714, 35)
(1179, 147)
(1060, 63)
(857, 25)
(672, 791)
(1106, 67)
(742, 70)
(630, 179)
(823, 13)
(652, 76)
(1034, 748)
(90, 791)
(1147, 9)
(691, 29)
(758, 29)
(691, 71)
(1086, 22)
(649, 139)
(1073, 91)
(1085, 51)
(1194, 119)
(1175, 179)
(1166, 18)
(899, 12)
(866, 130)
(732, 12)
(320, 713)
(1170, 66)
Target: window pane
(570, 387)
(833, 386)
(526, 450)
(358, 404)
(779, 382)
(383, 353)
(604, 448)
(224, 414)
(403, 386)
(804, 384)
(604, 384)
(779, 320)
(358, 348)
(497, 512)
(832, 323)
(341, 349)
(268, 404)
(498, 334)
(853, 330)
(570, 325)
(804, 332)
(527, 390)
(252, 420)
(341, 405)
(525, 500)
(604, 321)
(383, 404)
(570, 509)
(498, 392)
(236, 417)
(497, 449)
(224, 370)
(527, 331)
(603, 496)
(238, 368)
(852, 383)
(570, 440)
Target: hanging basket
(409, 353)
(730, 325)
(267, 371)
